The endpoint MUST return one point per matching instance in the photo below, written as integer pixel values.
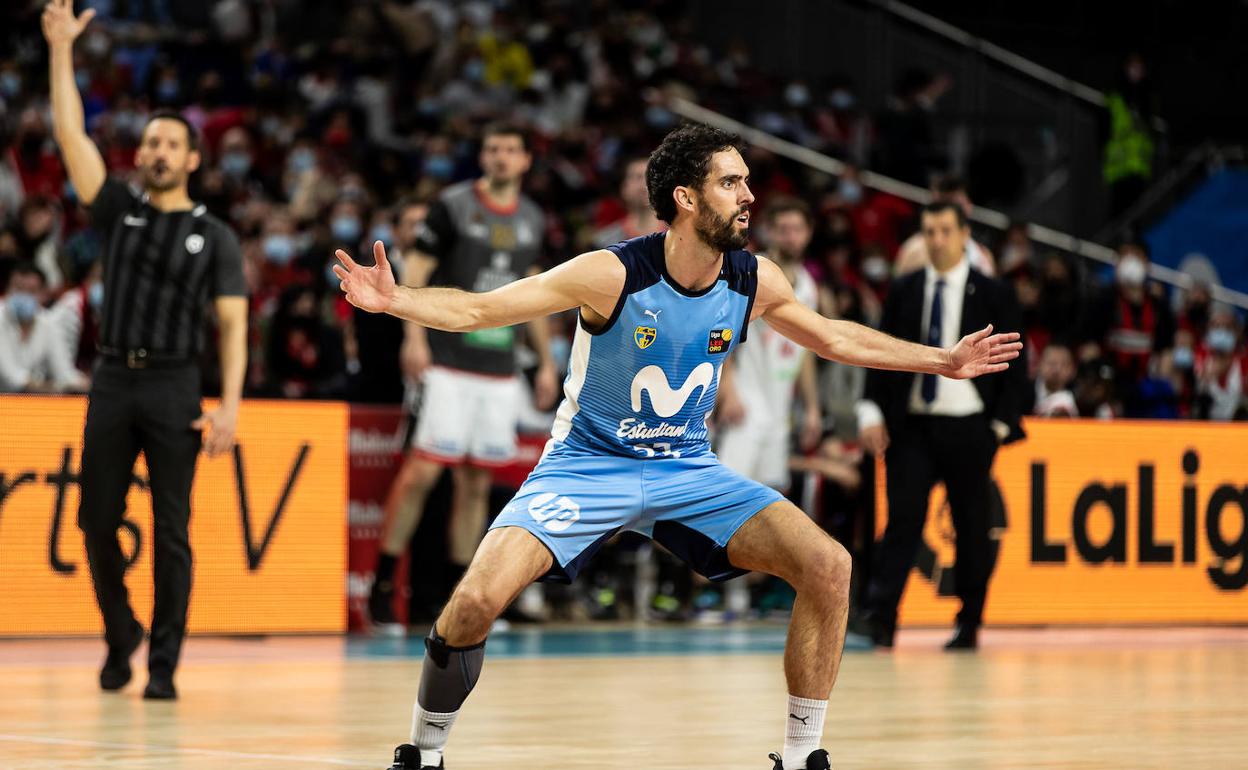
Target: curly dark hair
(684, 160)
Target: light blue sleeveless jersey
(629, 449)
(644, 385)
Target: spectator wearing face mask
(1180, 369)
(1127, 324)
(235, 157)
(877, 216)
(280, 261)
(33, 357)
(1222, 372)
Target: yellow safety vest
(1129, 151)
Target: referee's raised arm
(82, 158)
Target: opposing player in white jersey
(758, 383)
(629, 450)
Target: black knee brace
(449, 674)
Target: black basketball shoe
(407, 757)
(818, 760)
(381, 610)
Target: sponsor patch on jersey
(644, 335)
(720, 340)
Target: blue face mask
(1220, 340)
(279, 249)
(23, 306)
(10, 84)
(382, 232)
(842, 100)
(850, 191)
(1184, 358)
(82, 79)
(439, 166)
(167, 91)
(302, 160)
(95, 295)
(346, 229)
(236, 164)
(659, 118)
(330, 276)
(474, 70)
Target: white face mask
(875, 269)
(1131, 271)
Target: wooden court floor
(1166, 698)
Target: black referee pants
(148, 410)
(958, 451)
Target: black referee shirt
(160, 268)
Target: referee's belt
(142, 358)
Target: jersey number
(656, 450)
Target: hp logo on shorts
(554, 512)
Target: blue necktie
(933, 338)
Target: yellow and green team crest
(644, 335)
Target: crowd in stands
(325, 128)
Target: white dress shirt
(954, 398)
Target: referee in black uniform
(164, 256)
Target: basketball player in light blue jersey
(629, 451)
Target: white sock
(803, 730)
(430, 730)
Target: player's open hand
(60, 26)
(368, 288)
(982, 353)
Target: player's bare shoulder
(773, 287)
(595, 278)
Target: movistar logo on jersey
(663, 399)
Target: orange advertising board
(1105, 522)
(268, 523)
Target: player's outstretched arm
(980, 353)
(594, 279)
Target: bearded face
(724, 233)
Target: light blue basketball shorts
(691, 506)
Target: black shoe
(965, 637)
(381, 610)
(818, 760)
(407, 757)
(160, 687)
(116, 673)
(867, 631)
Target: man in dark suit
(931, 429)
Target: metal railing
(995, 219)
(993, 51)
(1001, 55)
